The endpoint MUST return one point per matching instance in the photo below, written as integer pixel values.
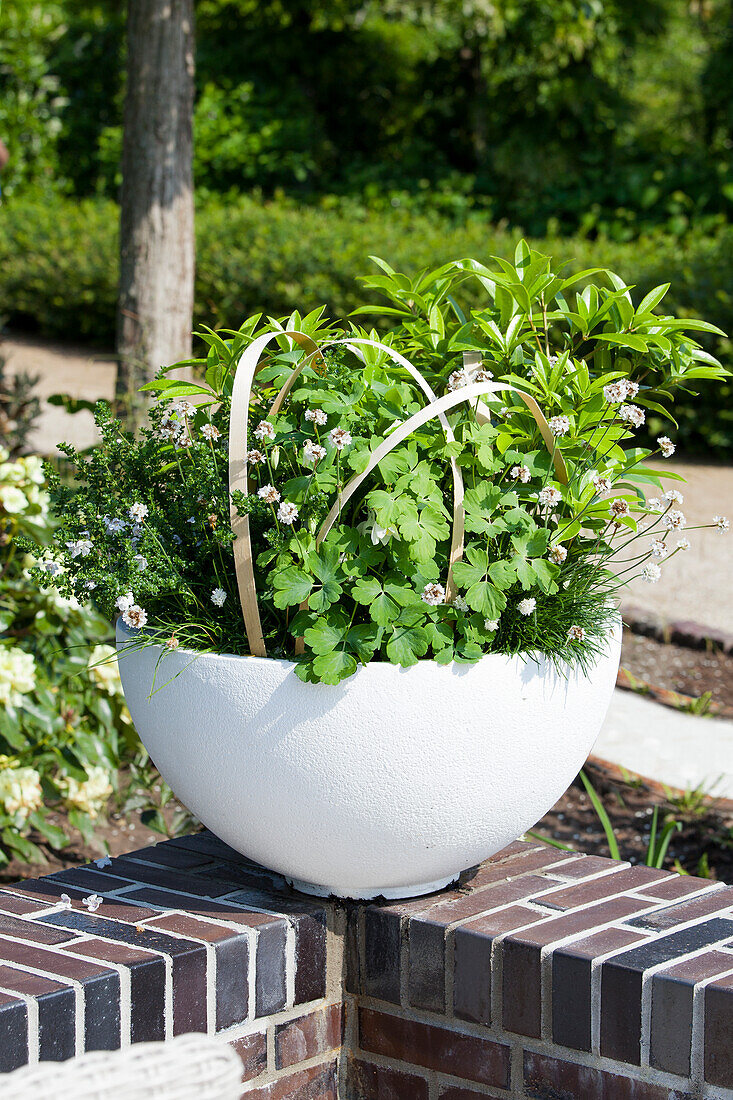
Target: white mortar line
(697, 1063)
(252, 975)
(31, 1006)
(290, 965)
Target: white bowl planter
(390, 784)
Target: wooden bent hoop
(238, 424)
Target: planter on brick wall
(391, 783)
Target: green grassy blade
(602, 816)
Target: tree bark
(155, 308)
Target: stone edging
(682, 632)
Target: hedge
(58, 271)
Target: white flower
(666, 446)
(433, 594)
(183, 441)
(316, 416)
(576, 634)
(218, 596)
(105, 861)
(90, 585)
(80, 548)
(659, 548)
(674, 520)
(264, 430)
(20, 792)
(269, 494)
(51, 567)
(557, 554)
(65, 901)
(619, 507)
(491, 624)
(135, 617)
(527, 606)
(255, 457)
(520, 473)
(616, 392)
(287, 512)
(378, 534)
(460, 604)
(651, 573)
(632, 414)
(91, 795)
(339, 438)
(172, 642)
(482, 375)
(312, 453)
(114, 526)
(210, 431)
(505, 410)
(683, 544)
(632, 388)
(549, 496)
(93, 902)
(138, 512)
(183, 409)
(13, 499)
(17, 674)
(602, 484)
(458, 379)
(141, 562)
(559, 425)
(673, 496)
(654, 504)
(124, 603)
(102, 665)
(721, 523)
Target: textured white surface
(395, 778)
(681, 750)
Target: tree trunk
(155, 309)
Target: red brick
(630, 878)
(718, 1025)
(533, 860)
(586, 867)
(185, 925)
(549, 1078)
(491, 897)
(521, 953)
(369, 1082)
(252, 1049)
(714, 901)
(19, 905)
(317, 1083)
(439, 1048)
(672, 997)
(308, 1035)
(677, 886)
(457, 1092)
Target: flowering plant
(549, 387)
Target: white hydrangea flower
(264, 430)
(218, 596)
(80, 548)
(255, 457)
(576, 634)
(102, 665)
(433, 594)
(210, 432)
(559, 425)
(666, 446)
(520, 473)
(316, 416)
(91, 794)
(651, 573)
(13, 499)
(491, 624)
(17, 674)
(460, 604)
(557, 554)
(287, 512)
(135, 617)
(721, 523)
(527, 606)
(674, 496)
(339, 438)
(313, 453)
(124, 603)
(674, 520)
(659, 548)
(269, 494)
(632, 414)
(138, 512)
(549, 496)
(20, 792)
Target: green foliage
(360, 569)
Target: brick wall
(544, 975)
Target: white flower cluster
(619, 391)
(264, 430)
(17, 675)
(102, 665)
(339, 438)
(20, 792)
(465, 376)
(666, 446)
(210, 432)
(91, 794)
(557, 554)
(19, 486)
(433, 594)
(559, 425)
(520, 473)
(133, 615)
(174, 423)
(313, 453)
(549, 497)
(632, 414)
(527, 606)
(316, 416)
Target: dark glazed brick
(352, 964)
(369, 1082)
(718, 1029)
(56, 1011)
(571, 984)
(307, 1036)
(534, 859)
(491, 897)
(17, 905)
(438, 1048)
(677, 886)
(472, 977)
(13, 1033)
(317, 1083)
(715, 901)
(32, 930)
(126, 871)
(521, 954)
(270, 969)
(382, 949)
(100, 985)
(252, 1049)
(426, 972)
(672, 996)
(189, 962)
(310, 958)
(554, 1079)
(169, 902)
(619, 882)
(457, 1092)
(147, 985)
(168, 854)
(621, 980)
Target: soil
(679, 668)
